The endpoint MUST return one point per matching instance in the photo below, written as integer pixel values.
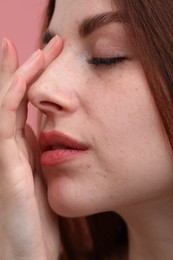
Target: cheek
(131, 145)
(121, 104)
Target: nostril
(50, 105)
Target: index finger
(52, 50)
(31, 68)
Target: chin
(67, 208)
(67, 199)
(64, 202)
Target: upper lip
(48, 140)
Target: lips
(58, 148)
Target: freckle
(88, 166)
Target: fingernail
(52, 42)
(4, 45)
(34, 55)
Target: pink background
(20, 21)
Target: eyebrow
(90, 24)
(93, 23)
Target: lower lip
(55, 157)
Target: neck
(150, 227)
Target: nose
(54, 92)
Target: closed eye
(99, 61)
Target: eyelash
(98, 61)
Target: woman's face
(106, 145)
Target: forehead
(68, 14)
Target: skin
(108, 108)
(128, 166)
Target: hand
(28, 228)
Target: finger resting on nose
(32, 67)
(52, 50)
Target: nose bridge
(57, 86)
(64, 69)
